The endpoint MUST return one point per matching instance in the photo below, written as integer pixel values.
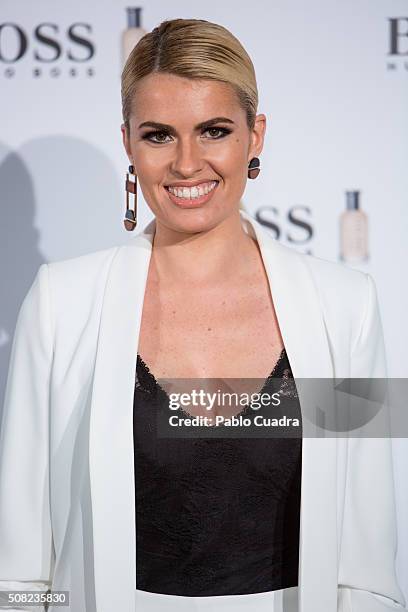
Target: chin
(191, 221)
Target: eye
(223, 131)
(156, 136)
(149, 135)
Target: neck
(215, 256)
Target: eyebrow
(199, 126)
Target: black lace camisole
(214, 516)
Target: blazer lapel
(111, 426)
(111, 429)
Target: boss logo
(397, 43)
(46, 44)
(398, 39)
(293, 227)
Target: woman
(203, 291)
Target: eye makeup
(149, 135)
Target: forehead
(166, 98)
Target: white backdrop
(333, 82)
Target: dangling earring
(254, 168)
(130, 219)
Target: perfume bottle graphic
(353, 231)
(133, 33)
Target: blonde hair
(194, 49)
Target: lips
(193, 202)
(193, 190)
(192, 183)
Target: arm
(26, 546)
(367, 574)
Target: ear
(126, 143)
(257, 136)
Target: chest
(225, 331)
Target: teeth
(194, 192)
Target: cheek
(231, 155)
(150, 167)
(228, 162)
(234, 167)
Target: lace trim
(146, 381)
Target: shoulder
(345, 295)
(76, 284)
(329, 277)
(335, 276)
(349, 303)
(71, 273)
(335, 280)
(81, 275)
(82, 266)
(342, 290)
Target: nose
(188, 159)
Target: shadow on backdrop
(61, 197)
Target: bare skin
(208, 309)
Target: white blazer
(67, 498)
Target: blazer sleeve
(26, 545)
(367, 570)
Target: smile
(190, 197)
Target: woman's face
(187, 146)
